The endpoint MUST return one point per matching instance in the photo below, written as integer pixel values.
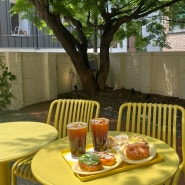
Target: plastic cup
(77, 138)
(99, 128)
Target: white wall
(42, 76)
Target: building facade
(176, 40)
(18, 33)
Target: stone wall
(42, 76)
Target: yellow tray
(121, 168)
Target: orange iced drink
(77, 138)
(99, 128)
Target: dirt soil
(110, 100)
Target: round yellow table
(50, 168)
(20, 139)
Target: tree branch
(145, 13)
(80, 32)
(40, 6)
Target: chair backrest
(64, 111)
(162, 121)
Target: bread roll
(89, 162)
(137, 148)
(106, 158)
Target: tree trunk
(102, 74)
(79, 56)
(104, 69)
(86, 74)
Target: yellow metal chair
(61, 112)
(161, 121)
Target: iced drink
(99, 128)
(77, 138)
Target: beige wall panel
(42, 76)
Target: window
(19, 26)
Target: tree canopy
(74, 22)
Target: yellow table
(20, 139)
(49, 167)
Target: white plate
(77, 169)
(152, 153)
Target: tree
(73, 22)
(176, 15)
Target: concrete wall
(156, 73)
(42, 76)
(35, 77)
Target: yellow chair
(161, 121)
(61, 112)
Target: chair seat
(22, 168)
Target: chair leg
(176, 177)
(13, 176)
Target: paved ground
(31, 113)
(25, 182)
